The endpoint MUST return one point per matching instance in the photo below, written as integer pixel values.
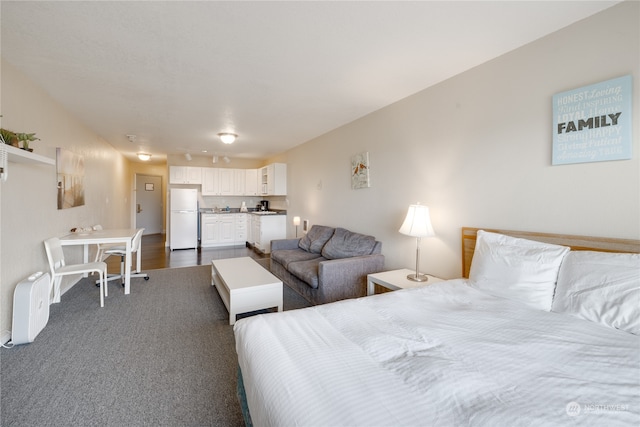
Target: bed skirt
(242, 398)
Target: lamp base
(417, 277)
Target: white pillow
(517, 269)
(601, 287)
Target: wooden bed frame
(577, 243)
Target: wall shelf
(17, 155)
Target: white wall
(477, 149)
(28, 202)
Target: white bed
(454, 353)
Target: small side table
(396, 279)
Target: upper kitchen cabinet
(218, 182)
(273, 179)
(268, 181)
(227, 182)
(251, 182)
(239, 181)
(210, 182)
(185, 175)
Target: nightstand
(396, 279)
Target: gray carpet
(163, 356)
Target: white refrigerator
(183, 226)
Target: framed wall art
(593, 123)
(70, 179)
(360, 171)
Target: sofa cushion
(345, 244)
(287, 256)
(307, 271)
(316, 238)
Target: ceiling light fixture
(144, 156)
(227, 138)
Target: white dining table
(107, 236)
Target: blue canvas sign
(593, 123)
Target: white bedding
(442, 355)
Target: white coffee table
(245, 286)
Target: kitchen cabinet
(253, 229)
(227, 187)
(240, 231)
(273, 180)
(267, 228)
(210, 182)
(239, 182)
(218, 182)
(223, 230)
(251, 182)
(209, 230)
(268, 181)
(185, 175)
(227, 229)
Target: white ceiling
(276, 73)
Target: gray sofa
(327, 264)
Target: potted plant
(8, 137)
(26, 138)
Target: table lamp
(417, 224)
(296, 222)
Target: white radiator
(30, 307)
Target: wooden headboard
(577, 243)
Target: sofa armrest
(339, 272)
(282, 244)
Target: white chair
(59, 268)
(101, 247)
(121, 251)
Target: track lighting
(214, 159)
(187, 156)
(226, 159)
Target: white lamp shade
(296, 221)
(418, 222)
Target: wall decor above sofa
(360, 171)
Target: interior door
(149, 203)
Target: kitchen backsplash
(211, 202)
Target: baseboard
(6, 337)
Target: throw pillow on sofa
(345, 244)
(316, 238)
